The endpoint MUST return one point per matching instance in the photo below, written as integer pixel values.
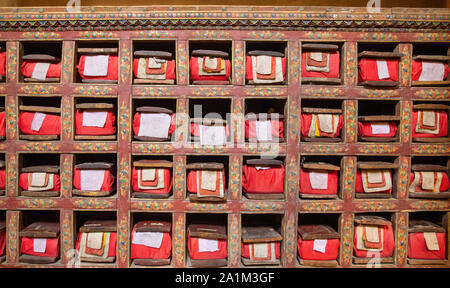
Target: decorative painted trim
(351, 63)
(322, 206)
(265, 91)
(11, 60)
(375, 205)
(235, 177)
(41, 35)
(323, 36)
(148, 205)
(406, 121)
(11, 175)
(93, 204)
(402, 238)
(152, 34)
(323, 148)
(403, 180)
(67, 69)
(94, 146)
(122, 238)
(239, 63)
(432, 93)
(405, 65)
(66, 232)
(12, 239)
(294, 121)
(262, 206)
(11, 117)
(153, 148)
(430, 204)
(38, 203)
(210, 34)
(38, 89)
(290, 238)
(323, 92)
(378, 148)
(124, 177)
(179, 179)
(346, 239)
(292, 176)
(431, 36)
(92, 90)
(234, 243)
(348, 178)
(124, 120)
(350, 121)
(66, 117)
(179, 239)
(154, 91)
(102, 35)
(210, 91)
(430, 149)
(197, 206)
(126, 61)
(378, 36)
(266, 35)
(182, 63)
(379, 93)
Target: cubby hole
(193, 159)
(312, 107)
(80, 218)
(166, 105)
(335, 74)
(438, 134)
(168, 46)
(274, 221)
(134, 180)
(29, 217)
(49, 130)
(438, 165)
(219, 45)
(95, 133)
(106, 47)
(137, 217)
(272, 46)
(378, 120)
(261, 109)
(38, 162)
(208, 109)
(379, 51)
(379, 164)
(332, 165)
(214, 219)
(429, 52)
(96, 158)
(384, 257)
(51, 48)
(251, 195)
(319, 221)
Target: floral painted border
(323, 148)
(430, 149)
(12, 244)
(349, 172)
(290, 238)
(262, 206)
(94, 204)
(402, 238)
(374, 205)
(39, 89)
(346, 239)
(239, 62)
(123, 240)
(148, 205)
(266, 91)
(38, 203)
(430, 204)
(234, 243)
(197, 206)
(378, 148)
(405, 65)
(153, 91)
(124, 176)
(210, 91)
(93, 90)
(406, 122)
(153, 148)
(351, 63)
(66, 232)
(403, 180)
(179, 239)
(432, 93)
(182, 62)
(94, 146)
(235, 177)
(350, 120)
(322, 206)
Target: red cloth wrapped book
(368, 70)
(367, 129)
(440, 128)
(382, 247)
(113, 69)
(308, 130)
(308, 183)
(306, 249)
(3, 63)
(24, 182)
(51, 247)
(82, 128)
(263, 179)
(277, 129)
(169, 69)
(2, 124)
(417, 246)
(150, 244)
(249, 69)
(332, 63)
(51, 124)
(107, 184)
(195, 74)
(417, 69)
(139, 186)
(366, 186)
(209, 249)
(27, 68)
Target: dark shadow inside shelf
(430, 48)
(52, 48)
(53, 101)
